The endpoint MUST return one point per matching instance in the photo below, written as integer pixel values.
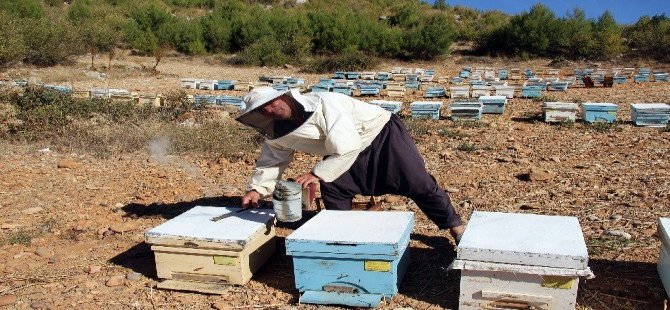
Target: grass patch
(603, 127)
(444, 132)
(466, 147)
(21, 237)
(417, 127)
(544, 99)
(469, 124)
(566, 124)
(603, 245)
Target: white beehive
(664, 255)
(196, 252)
(521, 261)
(559, 112)
(459, 92)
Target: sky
(624, 11)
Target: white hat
(260, 96)
(256, 98)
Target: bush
(23, 8)
(349, 60)
(12, 46)
(50, 41)
(265, 52)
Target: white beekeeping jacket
(339, 128)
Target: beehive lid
(658, 107)
(492, 98)
(353, 232)
(591, 106)
(524, 239)
(664, 231)
(195, 226)
(565, 106)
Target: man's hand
(251, 198)
(307, 179)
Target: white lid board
(196, 225)
(525, 239)
(355, 227)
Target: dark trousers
(392, 165)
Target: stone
(38, 305)
(93, 269)
(391, 199)
(7, 300)
(619, 233)
(616, 217)
(116, 280)
(122, 227)
(32, 210)
(503, 159)
(102, 230)
(10, 226)
(43, 252)
(221, 305)
(540, 175)
(592, 217)
(133, 276)
(68, 164)
(452, 190)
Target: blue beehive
(58, 88)
(391, 106)
(369, 89)
(352, 75)
(384, 76)
(426, 109)
(650, 114)
(531, 91)
(352, 258)
(644, 71)
(528, 73)
(435, 92)
(558, 86)
(225, 84)
(639, 78)
(493, 104)
(280, 86)
(204, 99)
(340, 75)
(235, 101)
(343, 88)
(429, 72)
(620, 79)
(457, 80)
(464, 74)
(295, 82)
(503, 74)
(661, 77)
(466, 111)
(599, 112)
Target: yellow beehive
(206, 249)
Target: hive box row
(642, 114)
(359, 258)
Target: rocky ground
(72, 224)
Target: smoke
(158, 148)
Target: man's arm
(269, 168)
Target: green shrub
(466, 147)
(23, 8)
(265, 52)
(12, 46)
(50, 41)
(348, 60)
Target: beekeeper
(366, 150)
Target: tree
(608, 36)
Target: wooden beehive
(391, 106)
(493, 104)
(395, 90)
(555, 112)
(196, 252)
(352, 258)
(426, 109)
(520, 261)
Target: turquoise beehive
(352, 258)
(599, 112)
